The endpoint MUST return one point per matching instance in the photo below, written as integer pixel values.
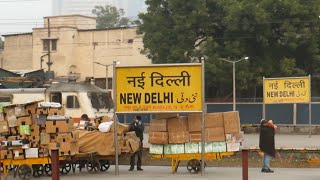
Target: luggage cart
(194, 160)
(26, 168)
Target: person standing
(138, 127)
(266, 144)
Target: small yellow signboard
(286, 90)
(159, 88)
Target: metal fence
(251, 113)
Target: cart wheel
(194, 166)
(47, 169)
(65, 169)
(37, 170)
(104, 165)
(93, 166)
(24, 171)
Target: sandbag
(105, 126)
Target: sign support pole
(263, 104)
(202, 117)
(310, 112)
(115, 119)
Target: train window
(72, 102)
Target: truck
(75, 98)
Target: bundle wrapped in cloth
(103, 143)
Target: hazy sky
(22, 15)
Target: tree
(109, 17)
(280, 37)
(1, 44)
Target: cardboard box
(56, 111)
(24, 120)
(58, 126)
(12, 120)
(179, 137)
(233, 137)
(19, 110)
(3, 138)
(156, 149)
(158, 137)
(6, 154)
(194, 121)
(14, 131)
(208, 147)
(54, 146)
(158, 125)
(32, 153)
(34, 139)
(46, 138)
(195, 136)
(25, 130)
(42, 111)
(4, 128)
(231, 122)
(31, 108)
(213, 120)
(18, 152)
(35, 130)
(41, 119)
(43, 152)
(1, 117)
(173, 149)
(191, 148)
(214, 134)
(165, 115)
(42, 128)
(177, 124)
(69, 148)
(13, 138)
(233, 147)
(9, 110)
(66, 137)
(219, 147)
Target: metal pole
(203, 122)
(107, 78)
(49, 46)
(55, 164)
(263, 104)
(115, 118)
(234, 84)
(295, 114)
(310, 112)
(244, 164)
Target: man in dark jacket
(138, 127)
(266, 144)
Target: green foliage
(110, 17)
(281, 38)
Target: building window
(72, 102)
(53, 44)
(130, 41)
(46, 44)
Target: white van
(76, 98)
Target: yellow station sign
(159, 88)
(286, 90)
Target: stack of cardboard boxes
(27, 131)
(173, 134)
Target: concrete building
(74, 45)
(84, 7)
